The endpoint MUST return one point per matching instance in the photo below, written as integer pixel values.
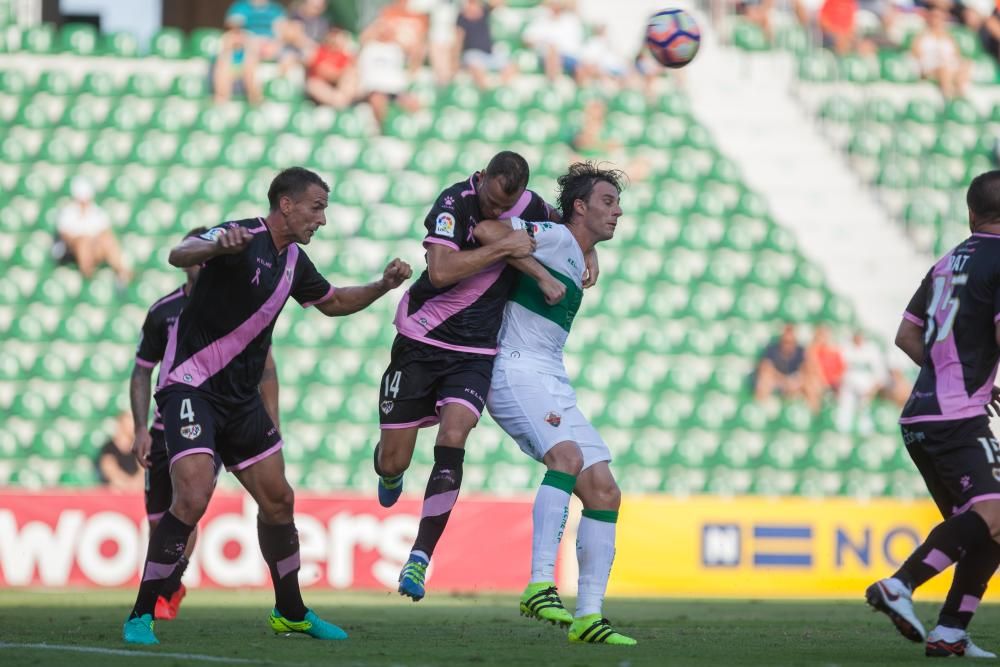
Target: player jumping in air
(532, 400)
(148, 445)
(951, 329)
(447, 324)
(209, 398)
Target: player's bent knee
(989, 510)
(610, 496)
(452, 436)
(565, 457)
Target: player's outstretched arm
(490, 232)
(195, 250)
(347, 300)
(139, 396)
(446, 266)
(910, 339)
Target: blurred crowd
(378, 65)
(847, 376)
(924, 28)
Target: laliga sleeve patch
(213, 234)
(445, 225)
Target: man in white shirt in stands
(85, 232)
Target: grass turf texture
(445, 630)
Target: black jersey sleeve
(447, 222)
(916, 310)
(538, 209)
(152, 341)
(310, 286)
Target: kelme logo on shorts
(191, 431)
(553, 419)
(386, 407)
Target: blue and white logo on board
(445, 225)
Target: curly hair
(579, 182)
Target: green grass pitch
(228, 628)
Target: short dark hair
(983, 197)
(290, 182)
(579, 182)
(197, 231)
(511, 169)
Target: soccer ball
(673, 37)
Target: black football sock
(173, 583)
(440, 496)
(166, 548)
(946, 544)
(279, 545)
(972, 575)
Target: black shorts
(159, 490)
(959, 460)
(239, 435)
(421, 378)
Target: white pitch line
(121, 651)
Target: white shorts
(539, 411)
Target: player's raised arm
(347, 300)
(196, 250)
(446, 266)
(491, 232)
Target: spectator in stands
(307, 23)
(758, 12)
(443, 54)
(823, 358)
(938, 56)
(382, 74)
(235, 67)
(960, 12)
(264, 20)
(475, 40)
(410, 30)
(839, 27)
(600, 60)
(85, 236)
(899, 381)
(594, 139)
(864, 375)
(782, 370)
(557, 35)
(989, 33)
(116, 465)
(331, 77)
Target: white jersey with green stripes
(533, 332)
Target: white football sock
(548, 517)
(595, 552)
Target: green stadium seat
(79, 39)
(40, 39)
(168, 43)
(899, 68)
(121, 45)
(204, 43)
(749, 37)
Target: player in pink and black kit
(447, 324)
(951, 329)
(209, 396)
(148, 445)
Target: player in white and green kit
(532, 400)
